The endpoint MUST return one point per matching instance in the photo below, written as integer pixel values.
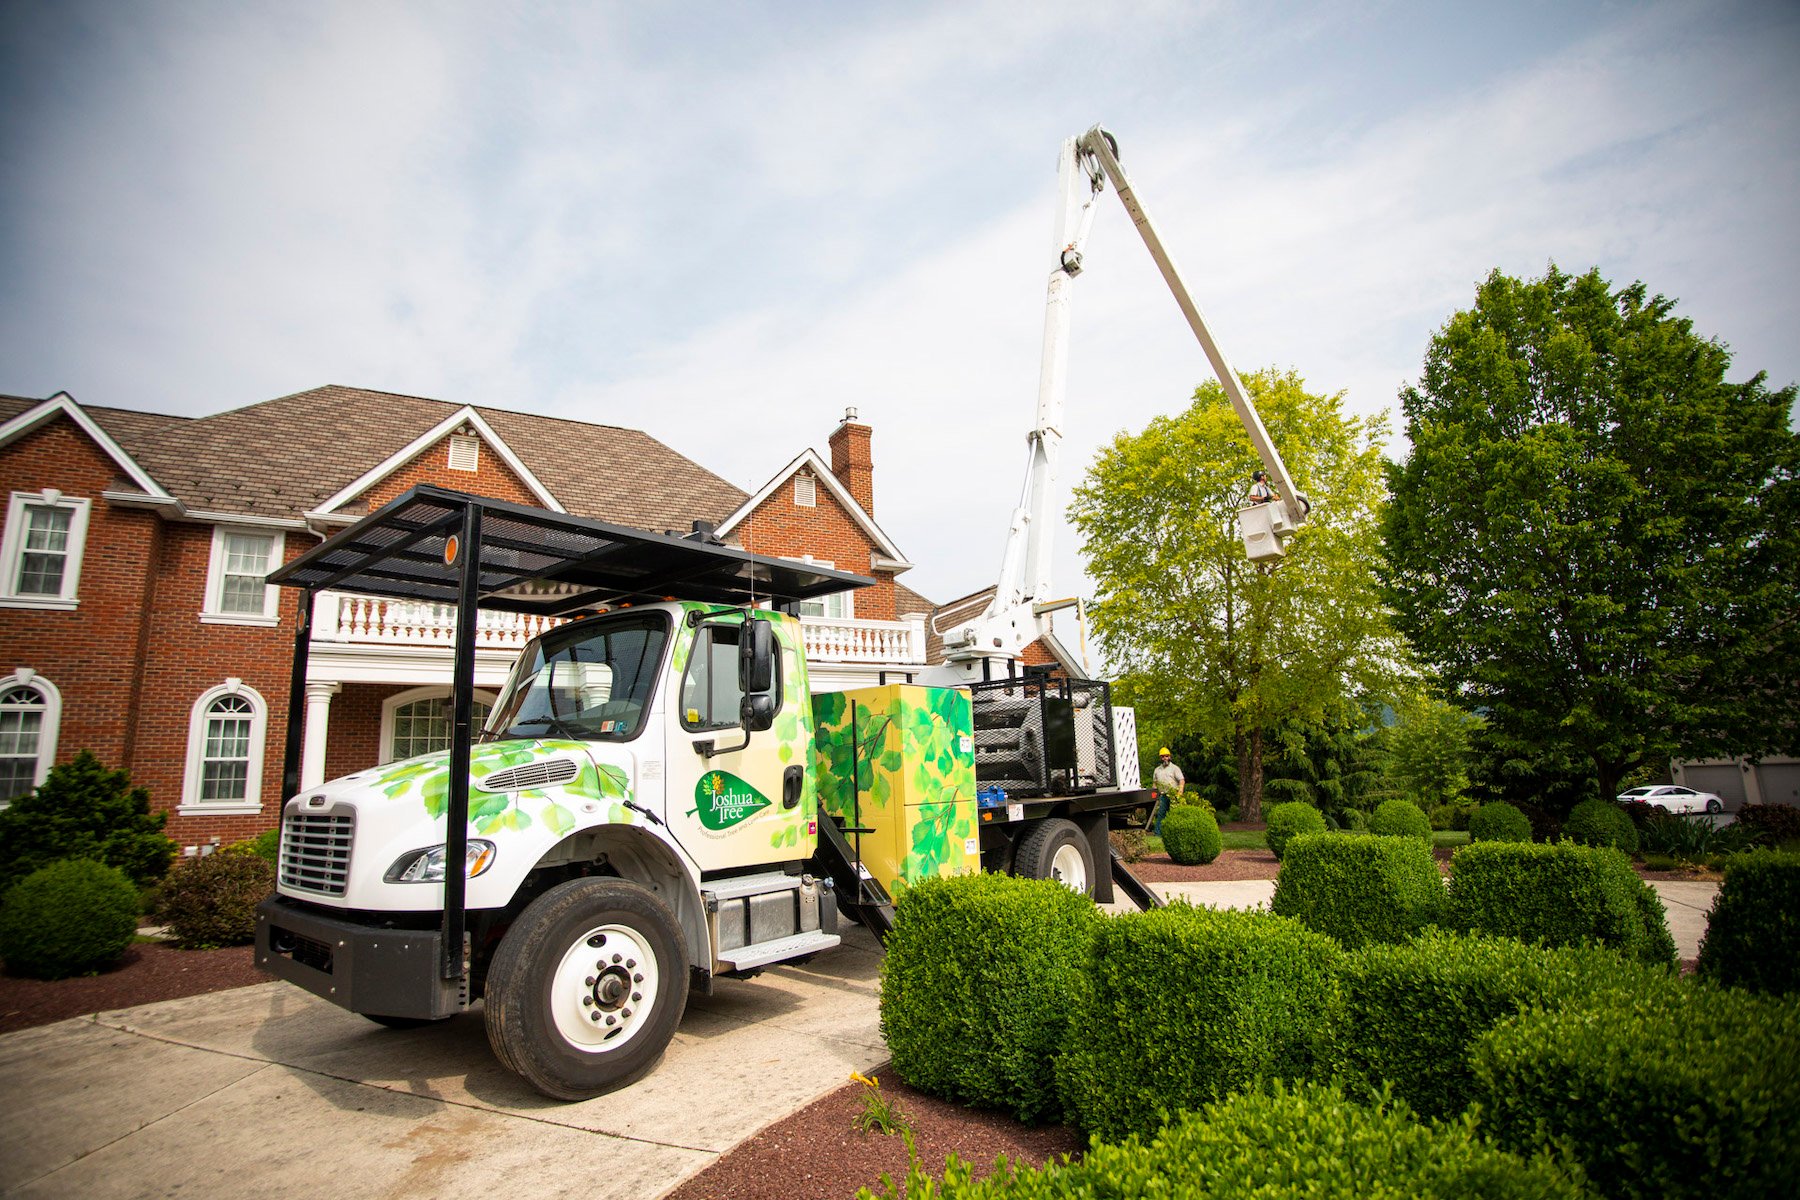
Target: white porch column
(318, 717)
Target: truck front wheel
(587, 987)
(1056, 849)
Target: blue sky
(724, 223)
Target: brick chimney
(851, 461)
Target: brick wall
(492, 477)
(827, 531)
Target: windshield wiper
(573, 732)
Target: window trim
(191, 804)
(848, 596)
(12, 550)
(391, 707)
(48, 692)
(210, 612)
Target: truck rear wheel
(1056, 849)
(587, 987)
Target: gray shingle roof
(287, 456)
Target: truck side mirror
(757, 712)
(756, 658)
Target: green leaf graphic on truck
(428, 777)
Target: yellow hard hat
(1164, 752)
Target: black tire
(587, 988)
(1056, 849)
(401, 1022)
(1714, 806)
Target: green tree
(1203, 640)
(1594, 538)
(1425, 754)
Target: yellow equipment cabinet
(899, 762)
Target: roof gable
(437, 433)
(63, 404)
(809, 459)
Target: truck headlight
(427, 865)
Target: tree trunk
(1250, 775)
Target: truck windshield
(589, 681)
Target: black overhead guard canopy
(531, 560)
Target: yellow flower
(859, 1077)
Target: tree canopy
(1204, 641)
(1594, 537)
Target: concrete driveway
(267, 1090)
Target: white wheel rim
(1067, 868)
(604, 989)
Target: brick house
(134, 621)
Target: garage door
(1726, 781)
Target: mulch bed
(818, 1152)
(149, 971)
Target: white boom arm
(1019, 612)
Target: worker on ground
(1260, 491)
(1169, 782)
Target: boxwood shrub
(1305, 1140)
(1499, 822)
(1753, 934)
(978, 984)
(1670, 1090)
(73, 917)
(1190, 834)
(1557, 895)
(1358, 888)
(1184, 1005)
(1285, 821)
(210, 902)
(1400, 818)
(1410, 1014)
(1601, 823)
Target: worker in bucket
(1169, 782)
(1260, 491)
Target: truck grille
(315, 851)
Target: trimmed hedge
(1557, 895)
(1601, 823)
(1191, 835)
(70, 918)
(1308, 1140)
(978, 984)
(1753, 934)
(1666, 1090)
(1400, 818)
(1411, 1013)
(1286, 821)
(210, 902)
(1184, 1005)
(1499, 822)
(1358, 888)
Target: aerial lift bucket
(1262, 528)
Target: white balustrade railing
(371, 620)
(848, 639)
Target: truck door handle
(791, 781)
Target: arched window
(30, 714)
(418, 722)
(225, 750)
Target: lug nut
(587, 1001)
(593, 1016)
(636, 996)
(637, 979)
(630, 963)
(589, 981)
(610, 1020)
(626, 1013)
(616, 958)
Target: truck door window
(590, 682)
(710, 696)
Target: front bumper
(355, 965)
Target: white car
(1673, 798)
